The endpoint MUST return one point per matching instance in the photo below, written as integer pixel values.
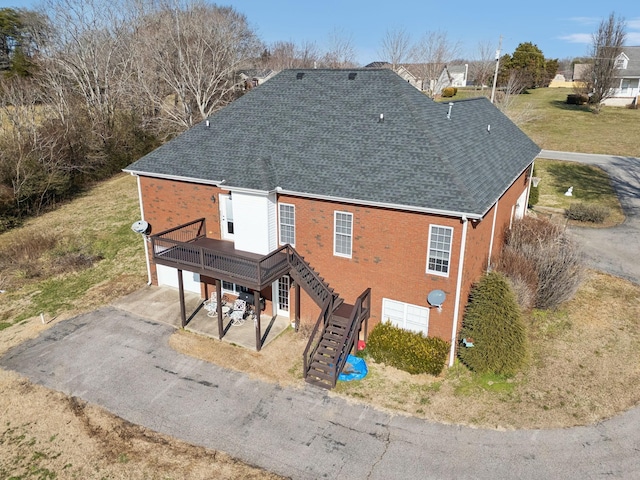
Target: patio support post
(297, 313)
(256, 309)
(219, 297)
(183, 313)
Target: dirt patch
(45, 434)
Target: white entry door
(281, 296)
(226, 217)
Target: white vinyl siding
(287, 219)
(406, 315)
(343, 234)
(439, 250)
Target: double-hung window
(439, 250)
(343, 234)
(287, 224)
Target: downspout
(456, 308)
(493, 231)
(144, 237)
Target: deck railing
(316, 334)
(179, 246)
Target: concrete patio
(162, 304)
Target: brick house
(326, 185)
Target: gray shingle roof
(320, 135)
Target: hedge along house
(324, 185)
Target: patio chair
(211, 305)
(237, 315)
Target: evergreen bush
(448, 92)
(492, 322)
(534, 196)
(405, 350)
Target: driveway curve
(613, 250)
(123, 362)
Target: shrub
(493, 321)
(522, 275)
(577, 99)
(534, 196)
(405, 350)
(585, 212)
(552, 254)
(448, 92)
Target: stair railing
(316, 334)
(360, 312)
(294, 260)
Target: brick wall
(389, 246)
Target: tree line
(88, 86)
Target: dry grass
(585, 356)
(44, 434)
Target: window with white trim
(343, 234)
(287, 217)
(439, 250)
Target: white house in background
(415, 74)
(627, 90)
(627, 85)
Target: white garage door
(406, 315)
(169, 276)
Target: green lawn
(554, 125)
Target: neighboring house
(323, 185)
(417, 75)
(627, 87)
(254, 77)
(627, 90)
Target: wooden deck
(218, 259)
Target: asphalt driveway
(123, 362)
(612, 250)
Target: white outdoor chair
(237, 315)
(211, 305)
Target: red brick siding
(389, 246)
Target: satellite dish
(141, 227)
(436, 298)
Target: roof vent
(381, 119)
(299, 75)
(489, 128)
(449, 112)
(352, 76)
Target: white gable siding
(254, 222)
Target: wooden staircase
(330, 347)
(336, 331)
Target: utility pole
(495, 75)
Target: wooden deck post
(256, 309)
(219, 298)
(297, 313)
(183, 310)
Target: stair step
(331, 336)
(324, 350)
(322, 367)
(319, 383)
(319, 374)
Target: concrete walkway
(613, 250)
(123, 362)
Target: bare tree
(605, 50)
(482, 67)
(341, 52)
(188, 58)
(282, 55)
(431, 54)
(395, 47)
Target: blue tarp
(354, 369)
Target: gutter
(456, 309)
(144, 237)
